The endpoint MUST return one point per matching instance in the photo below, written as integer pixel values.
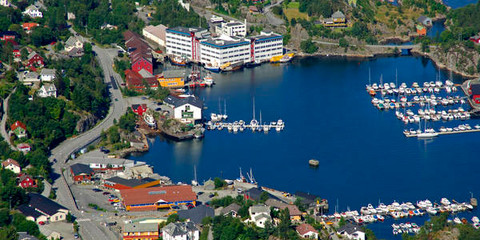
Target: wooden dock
(445, 133)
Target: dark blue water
(437, 28)
(363, 154)
(458, 3)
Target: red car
(41, 223)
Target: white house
(47, 75)
(156, 34)
(31, 78)
(180, 231)
(181, 41)
(232, 28)
(260, 215)
(352, 232)
(224, 49)
(11, 165)
(306, 230)
(47, 90)
(33, 12)
(188, 109)
(73, 42)
(43, 209)
(5, 3)
(266, 45)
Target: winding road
(3, 123)
(89, 228)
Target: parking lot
(104, 199)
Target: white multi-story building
(196, 45)
(266, 45)
(224, 49)
(33, 12)
(232, 29)
(185, 42)
(5, 3)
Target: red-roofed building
(24, 147)
(142, 63)
(11, 165)
(25, 181)
(19, 129)
(307, 231)
(27, 27)
(34, 60)
(150, 199)
(475, 39)
(139, 108)
(134, 81)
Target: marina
(431, 102)
(370, 214)
(362, 152)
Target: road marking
(83, 220)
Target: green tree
(308, 46)
(219, 183)
(264, 196)
(4, 217)
(8, 233)
(343, 43)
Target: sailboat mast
(369, 77)
(260, 116)
(195, 172)
(396, 77)
(253, 107)
(225, 106)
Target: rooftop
(179, 228)
(18, 124)
(174, 193)
(305, 228)
(10, 162)
(44, 204)
(197, 214)
(173, 73)
(130, 182)
(141, 227)
(349, 228)
(79, 169)
(338, 14)
(177, 102)
(185, 30)
(47, 71)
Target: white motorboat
(445, 201)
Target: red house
(8, 35)
(475, 92)
(81, 172)
(134, 81)
(142, 63)
(475, 39)
(139, 108)
(34, 60)
(25, 181)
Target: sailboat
(254, 122)
(225, 116)
(194, 181)
(251, 178)
(427, 133)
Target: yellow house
(338, 17)
(172, 78)
(140, 231)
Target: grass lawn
(293, 5)
(294, 13)
(382, 17)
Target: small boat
(178, 61)
(252, 64)
(231, 66)
(149, 120)
(212, 67)
(313, 162)
(208, 80)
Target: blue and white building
(224, 49)
(185, 42)
(265, 46)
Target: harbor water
(363, 155)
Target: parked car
(211, 195)
(96, 190)
(106, 193)
(199, 193)
(190, 206)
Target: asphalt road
(272, 19)
(90, 227)
(3, 123)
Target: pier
(446, 132)
(240, 126)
